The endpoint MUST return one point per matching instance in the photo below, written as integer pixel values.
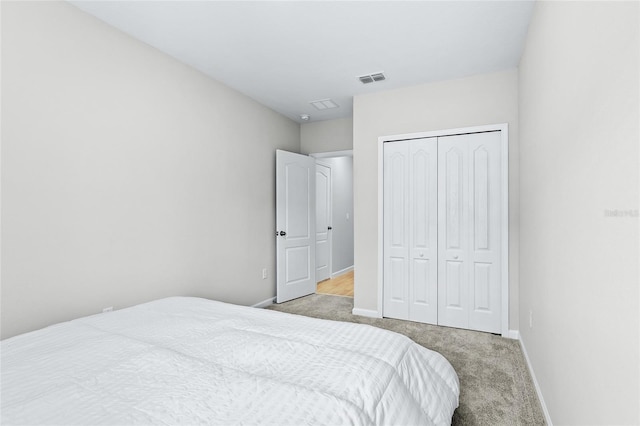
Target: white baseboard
(366, 313)
(513, 334)
(342, 271)
(547, 417)
(264, 303)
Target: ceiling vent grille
(322, 104)
(370, 78)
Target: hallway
(339, 286)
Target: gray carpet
(495, 385)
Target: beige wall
(126, 175)
(579, 159)
(326, 136)
(473, 101)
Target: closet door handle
(329, 228)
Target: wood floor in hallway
(339, 286)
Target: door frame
(504, 135)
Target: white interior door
(410, 230)
(323, 222)
(470, 217)
(295, 225)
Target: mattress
(193, 361)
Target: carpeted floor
(495, 385)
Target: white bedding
(194, 361)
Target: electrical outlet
(109, 309)
(264, 273)
(530, 318)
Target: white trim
(380, 222)
(366, 313)
(504, 129)
(264, 303)
(342, 271)
(513, 334)
(345, 153)
(445, 132)
(545, 411)
(504, 132)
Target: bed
(184, 360)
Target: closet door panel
(453, 231)
(396, 231)
(423, 230)
(469, 215)
(454, 285)
(480, 183)
(397, 280)
(454, 197)
(481, 286)
(486, 218)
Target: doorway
(296, 224)
(334, 222)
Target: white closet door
(485, 225)
(469, 218)
(396, 230)
(410, 230)
(423, 230)
(453, 189)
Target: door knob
(282, 233)
(329, 228)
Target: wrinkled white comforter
(195, 361)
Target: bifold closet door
(469, 222)
(410, 230)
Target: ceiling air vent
(322, 104)
(370, 78)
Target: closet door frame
(504, 231)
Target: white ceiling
(285, 54)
